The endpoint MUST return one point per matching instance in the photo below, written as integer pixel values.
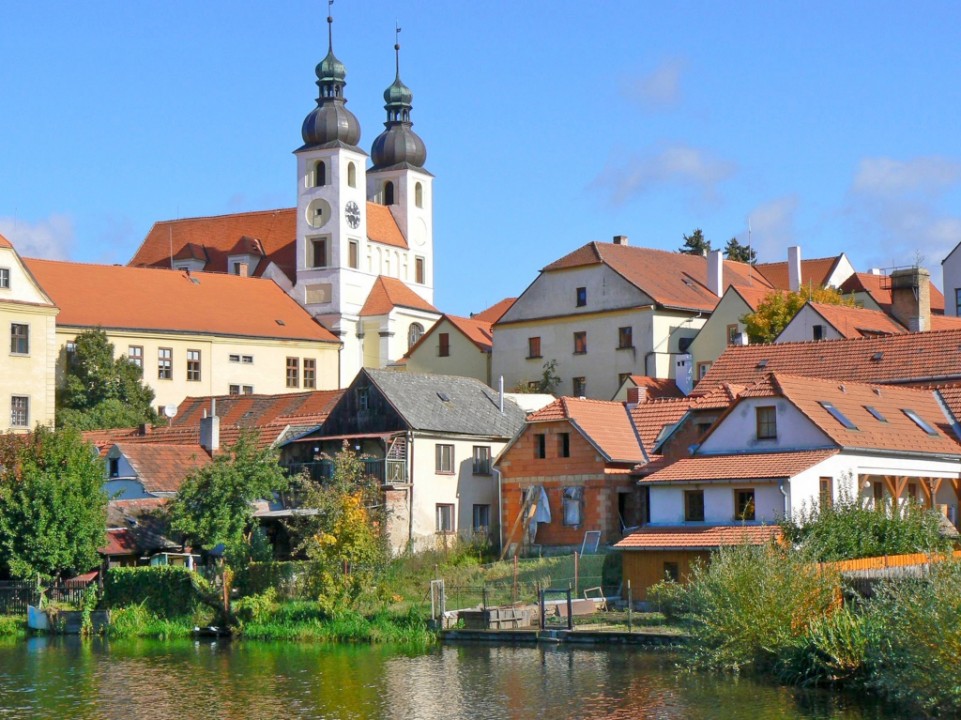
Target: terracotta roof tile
(687, 537)
(744, 466)
(671, 279)
(388, 293)
(162, 468)
(606, 424)
(753, 296)
(169, 300)
(928, 357)
(247, 245)
(657, 388)
(815, 270)
(945, 322)
(382, 227)
(720, 397)
(494, 313)
(4, 243)
(120, 541)
(650, 418)
(191, 251)
(853, 322)
(879, 288)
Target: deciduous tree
(776, 310)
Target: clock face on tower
(352, 213)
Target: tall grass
(12, 626)
(135, 621)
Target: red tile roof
(909, 358)
(606, 425)
(650, 418)
(388, 293)
(477, 331)
(120, 541)
(816, 271)
(754, 296)
(671, 279)
(744, 466)
(657, 388)
(161, 468)
(275, 230)
(4, 243)
(688, 537)
(879, 288)
(853, 322)
(492, 314)
(120, 297)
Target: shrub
(833, 650)
(668, 598)
(752, 604)
(164, 590)
(257, 608)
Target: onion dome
(398, 145)
(330, 122)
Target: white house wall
(801, 327)
(711, 339)
(667, 502)
(737, 432)
(951, 280)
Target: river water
(63, 678)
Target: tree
(214, 503)
(739, 253)
(776, 310)
(547, 383)
(695, 244)
(100, 390)
(342, 531)
(53, 510)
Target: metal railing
(384, 471)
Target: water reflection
(69, 678)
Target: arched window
(388, 193)
(413, 334)
(320, 174)
(351, 175)
(419, 195)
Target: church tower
(331, 202)
(398, 180)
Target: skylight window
(761, 364)
(838, 415)
(919, 421)
(876, 413)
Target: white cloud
(883, 176)
(51, 238)
(659, 89)
(772, 228)
(673, 165)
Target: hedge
(165, 590)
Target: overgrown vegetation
(776, 310)
(163, 590)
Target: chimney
(620, 239)
(715, 272)
(144, 429)
(911, 298)
(210, 430)
(794, 268)
(636, 396)
(242, 269)
(683, 373)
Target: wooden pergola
(896, 485)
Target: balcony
(384, 471)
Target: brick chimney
(243, 269)
(911, 298)
(794, 268)
(636, 395)
(715, 272)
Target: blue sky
(829, 125)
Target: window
(580, 342)
(766, 420)
(419, 273)
(293, 372)
(320, 174)
(481, 518)
(413, 334)
(363, 398)
(694, 506)
(419, 195)
(580, 386)
(318, 252)
(744, 504)
(310, 373)
(672, 571)
(625, 337)
(353, 254)
(838, 415)
(20, 411)
(234, 358)
(540, 446)
(19, 339)
(563, 444)
(165, 363)
(443, 348)
(388, 193)
(351, 175)
(919, 421)
(817, 332)
(826, 492)
(581, 295)
(444, 459)
(4, 278)
(702, 368)
(135, 355)
(247, 359)
(876, 413)
(533, 347)
(573, 505)
(114, 467)
(236, 266)
(445, 518)
(482, 460)
(733, 336)
(193, 365)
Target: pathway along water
(68, 678)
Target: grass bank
(13, 626)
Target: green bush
(834, 649)
(287, 578)
(163, 590)
(256, 608)
(669, 598)
(751, 604)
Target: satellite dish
(170, 411)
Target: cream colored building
(454, 346)
(28, 315)
(193, 334)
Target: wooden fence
(17, 594)
(889, 561)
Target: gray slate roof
(471, 408)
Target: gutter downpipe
(410, 490)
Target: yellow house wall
(267, 374)
(31, 375)
(711, 341)
(464, 358)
